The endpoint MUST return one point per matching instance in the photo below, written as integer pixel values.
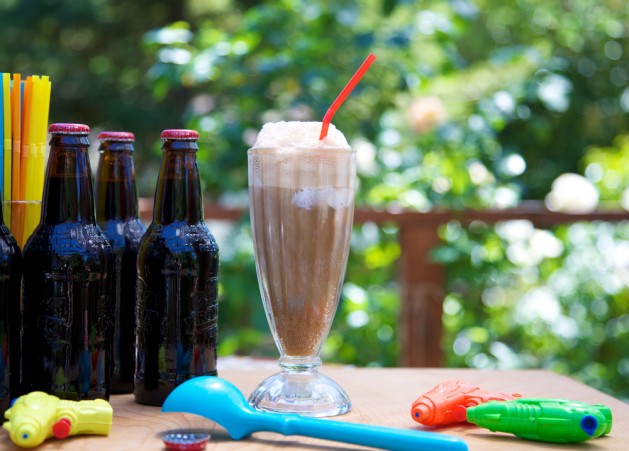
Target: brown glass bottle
(66, 339)
(177, 288)
(117, 216)
(10, 276)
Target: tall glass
(302, 205)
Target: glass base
(303, 391)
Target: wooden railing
(422, 281)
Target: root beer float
(302, 203)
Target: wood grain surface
(380, 397)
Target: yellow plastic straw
(24, 107)
(42, 138)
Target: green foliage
(607, 168)
(470, 104)
(527, 298)
(98, 71)
(365, 328)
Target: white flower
(572, 193)
(426, 113)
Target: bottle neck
(68, 194)
(178, 193)
(116, 194)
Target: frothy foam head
(298, 134)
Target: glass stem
(299, 364)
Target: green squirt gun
(546, 420)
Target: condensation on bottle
(66, 309)
(117, 215)
(176, 295)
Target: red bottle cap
(189, 135)
(116, 136)
(69, 129)
(185, 441)
(61, 429)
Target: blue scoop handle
(359, 434)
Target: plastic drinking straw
(327, 118)
(16, 110)
(33, 138)
(19, 173)
(17, 192)
(27, 142)
(31, 218)
(16, 125)
(27, 112)
(43, 130)
(6, 170)
(33, 134)
(1, 137)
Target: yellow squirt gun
(37, 416)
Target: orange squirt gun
(448, 402)
(37, 416)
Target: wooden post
(421, 296)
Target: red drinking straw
(344, 93)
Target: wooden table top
(379, 396)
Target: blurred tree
(91, 50)
(469, 104)
(530, 298)
(578, 94)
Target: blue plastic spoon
(220, 401)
